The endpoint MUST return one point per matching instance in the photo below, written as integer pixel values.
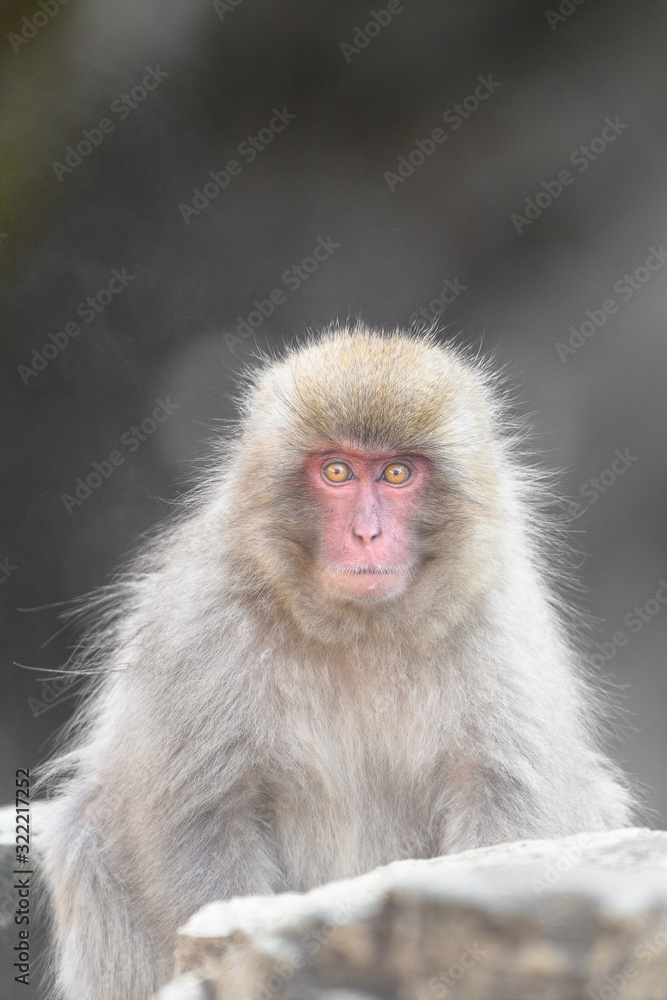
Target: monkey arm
(496, 802)
(525, 760)
(148, 828)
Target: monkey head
(371, 468)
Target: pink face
(367, 502)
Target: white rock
(582, 917)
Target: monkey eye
(337, 472)
(396, 473)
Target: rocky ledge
(582, 918)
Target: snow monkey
(347, 650)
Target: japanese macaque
(347, 650)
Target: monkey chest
(347, 802)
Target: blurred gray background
(79, 200)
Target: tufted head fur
(397, 392)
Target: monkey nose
(366, 537)
(366, 531)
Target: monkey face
(371, 485)
(367, 502)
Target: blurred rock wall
(169, 169)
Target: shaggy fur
(245, 736)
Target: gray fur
(241, 739)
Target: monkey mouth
(356, 570)
(366, 583)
